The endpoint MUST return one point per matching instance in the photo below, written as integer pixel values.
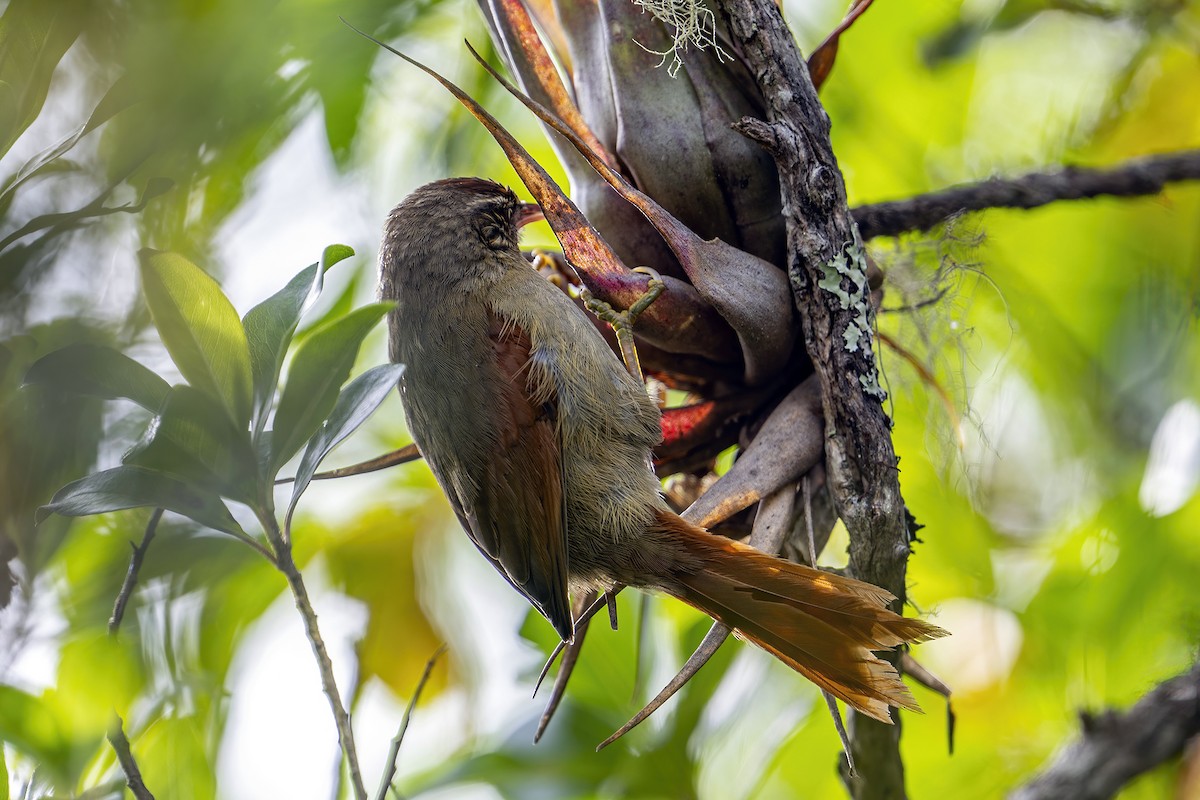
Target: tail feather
(824, 626)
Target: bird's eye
(492, 235)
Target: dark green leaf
(137, 487)
(320, 367)
(34, 35)
(200, 329)
(270, 325)
(356, 402)
(329, 309)
(194, 439)
(100, 371)
(59, 222)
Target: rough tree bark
(826, 271)
(1116, 747)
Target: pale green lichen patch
(845, 277)
(870, 385)
(832, 273)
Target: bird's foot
(622, 321)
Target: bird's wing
(518, 515)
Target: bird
(541, 441)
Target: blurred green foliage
(1064, 338)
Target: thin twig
(389, 771)
(133, 775)
(1136, 177)
(402, 456)
(284, 563)
(131, 574)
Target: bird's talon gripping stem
(654, 288)
(622, 321)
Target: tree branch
(131, 574)
(826, 268)
(1140, 176)
(133, 775)
(1116, 747)
(286, 564)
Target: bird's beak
(527, 213)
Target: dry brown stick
(402, 456)
(1136, 177)
(826, 268)
(131, 574)
(133, 775)
(1116, 747)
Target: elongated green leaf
(118, 97)
(100, 371)
(194, 439)
(137, 487)
(335, 308)
(270, 325)
(200, 329)
(32, 728)
(34, 35)
(355, 404)
(59, 222)
(320, 367)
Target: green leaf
(34, 36)
(137, 487)
(270, 325)
(99, 371)
(355, 404)
(200, 329)
(193, 438)
(320, 367)
(338, 307)
(32, 728)
(59, 222)
(118, 97)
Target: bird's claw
(622, 321)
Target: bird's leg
(622, 321)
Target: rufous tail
(822, 625)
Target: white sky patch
(1173, 470)
(298, 206)
(280, 740)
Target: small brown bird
(541, 441)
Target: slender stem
(133, 775)
(284, 563)
(389, 771)
(131, 574)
